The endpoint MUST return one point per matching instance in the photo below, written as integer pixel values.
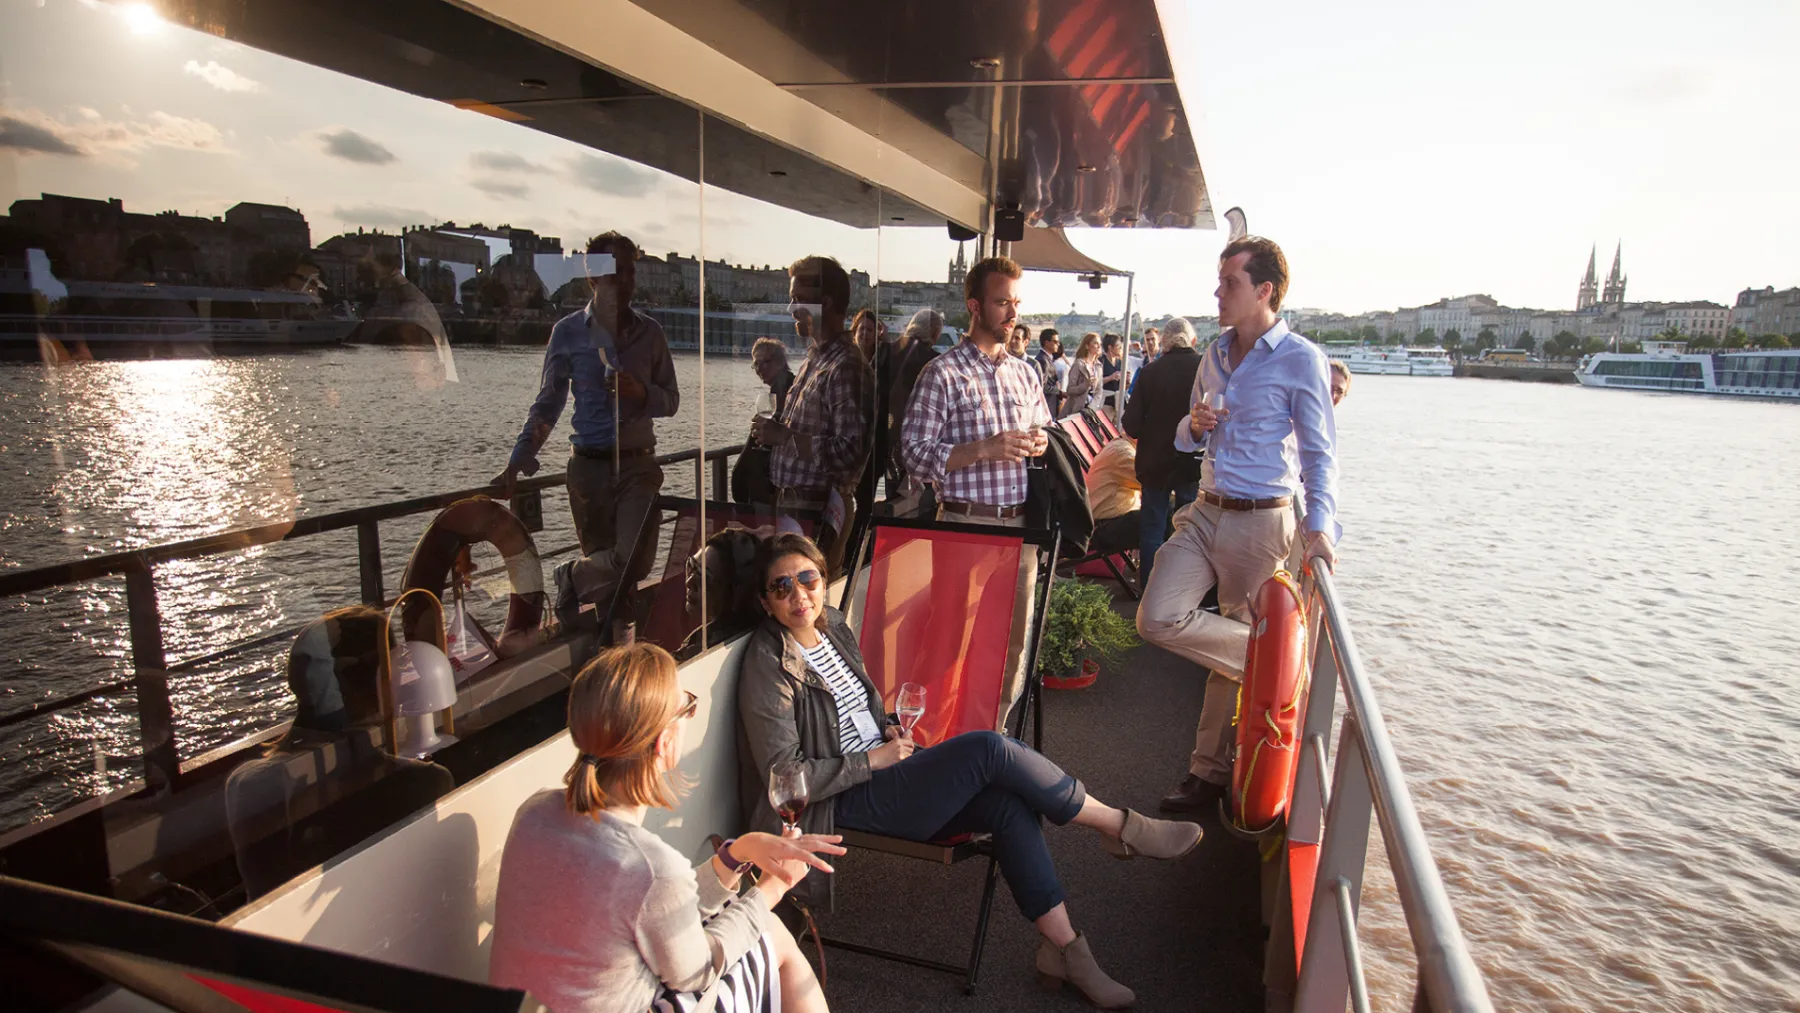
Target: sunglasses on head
(689, 710)
(783, 587)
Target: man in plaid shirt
(976, 416)
(977, 413)
(820, 439)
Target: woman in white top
(595, 914)
(1083, 380)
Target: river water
(1575, 604)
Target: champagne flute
(910, 706)
(787, 792)
(1215, 400)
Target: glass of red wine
(909, 705)
(787, 792)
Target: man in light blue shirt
(1261, 409)
(604, 350)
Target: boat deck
(1184, 935)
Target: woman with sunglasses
(595, 914)
(805, 696)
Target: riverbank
(1540, 372)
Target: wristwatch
(723, 854)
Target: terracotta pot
(1081, 677)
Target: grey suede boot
(1152, 838)
(1074, 964)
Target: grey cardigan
(786, 711)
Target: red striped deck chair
(937, 604)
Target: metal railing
(150, 664)
(1331, 827)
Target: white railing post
(1324, 972)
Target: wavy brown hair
(619, 706)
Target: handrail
(1365, 778)
(1449, 975)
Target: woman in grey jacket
(805, 696)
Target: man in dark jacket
(1151, 416)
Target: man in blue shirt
(603, 348)
(1261, 404)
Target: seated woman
(326, 785)
(805, 696)
(595, 914)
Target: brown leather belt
(1230, 503)
(606, 453)
(982, 510)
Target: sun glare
(142, 18)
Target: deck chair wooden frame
(1029, 703)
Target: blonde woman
(1083, 381)
(595, 914)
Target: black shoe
(567, 605)
(1192, 795)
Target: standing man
(976, 415)
(1273, 435)
(1048, 356)
(820, 438)
(604, 350)
(1160, 402)
(1153, 348)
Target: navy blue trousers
(975, 783)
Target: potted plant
(1082, 630)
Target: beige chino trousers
(1237, 550)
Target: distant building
(99, 240)
(1766, 311)
(1700, 319)
(1589, 293)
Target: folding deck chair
(1107, 551)
(938, 608)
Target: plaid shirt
(829, 402)
(963, 396)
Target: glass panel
(253, 295)
(788, 390)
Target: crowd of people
(593, 912)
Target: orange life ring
(480, 519)
(1269, 705)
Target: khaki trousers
(1024, 603)
(612, 516)
(1237, 550)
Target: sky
(1399, 151)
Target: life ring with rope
(443, 549)
(1269, 705)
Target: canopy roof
(1050, 250)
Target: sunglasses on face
(688, 711)
(783, 587)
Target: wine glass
(787, 792)
(910, 706)
(1216, 402)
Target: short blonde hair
(1338, 367)
(619, 706)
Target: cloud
(502, 188)
(351, 146)
(20, 135)
(219, 76)
(93, 134)
(611, 176)
(1665, 86)
(378, 215)
(504, 161)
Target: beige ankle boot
(1152, 838)
(1075, 965)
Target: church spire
(1590, 285)
(1615, 282)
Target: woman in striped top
(805, 696)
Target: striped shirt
(847, 690)
(963, 396)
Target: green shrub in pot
(1081, 619)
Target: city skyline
(101, 102)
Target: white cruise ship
(1745, 373)
(1392, 361)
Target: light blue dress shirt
(572, 361)
(1280, 432)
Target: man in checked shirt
(976, 415)
(820, 439)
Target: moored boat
(1762, 373)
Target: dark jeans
(1154, 517)
(975, 783)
